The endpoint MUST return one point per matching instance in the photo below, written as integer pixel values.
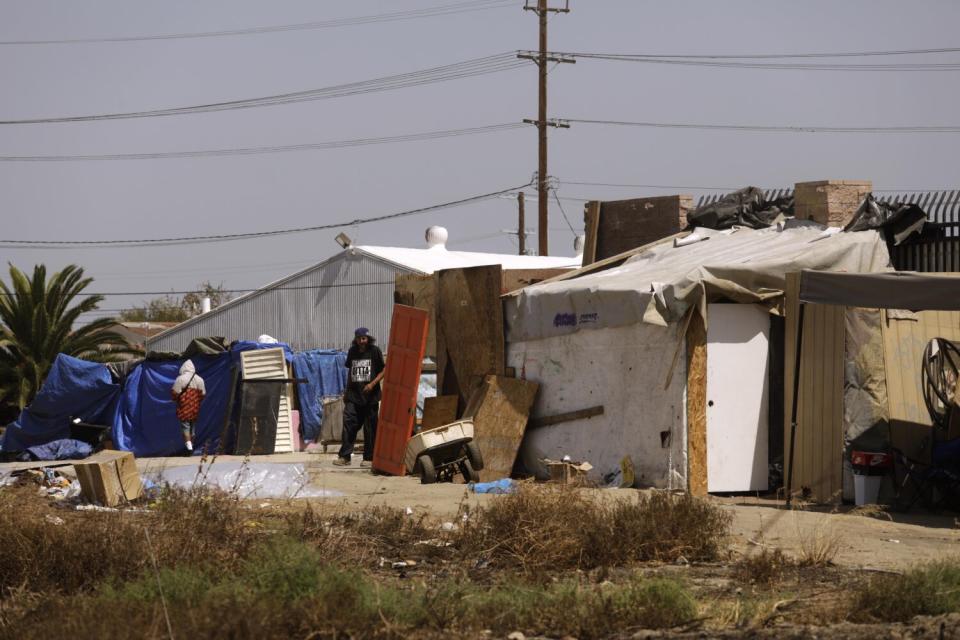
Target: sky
(210, 195)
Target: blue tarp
(65, 449)
(325, 376)
(142, 414)
(74, 389)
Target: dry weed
(553, 527)
(871, 511)
(819, 545)
(765, 567)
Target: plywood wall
(818, 459)
(904, 337)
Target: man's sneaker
(342, 462)
(365, 464)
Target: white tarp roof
(436, 258)
(659, 285)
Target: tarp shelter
(614, 334)
(140, 411)
(896, 290)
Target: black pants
(356, 417)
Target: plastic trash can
(869, 467)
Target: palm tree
(37, 323)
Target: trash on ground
(52, 519)
(248, 480)
(504, 485)
(568, 472)
(109, 477)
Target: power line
(61, 244)
(774, 129)
(769, 56)
(706, 188)
(759, 64)
(465, 69)
(395, 16)
(161, 293)
(245, 151)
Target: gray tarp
(660, 284)
(898, 290)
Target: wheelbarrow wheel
(428, 472)
(473, 455)
(469, 473)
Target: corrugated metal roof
(437, 258)
(321, 305)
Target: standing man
(188, 392)
(361, 400)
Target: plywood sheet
(696, 339)
(439, 410)
(267, 364)
(818, 455)
(738, 346)
(499, 409)
(627, 224)
(419, 291)
(905, 335)
(469, 328)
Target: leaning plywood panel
(469, 328)
(738, 340)
(268, 364)
(818, 449)
(500, 408)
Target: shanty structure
(669, 351)
(319, 307)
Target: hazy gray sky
(154, 198)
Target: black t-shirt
(362, 367)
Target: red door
(398, 408)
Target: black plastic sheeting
(744, 208)
(899, 221)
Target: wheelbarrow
(438, 454)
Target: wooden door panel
(398, 408)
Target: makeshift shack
(860, 384)
(673, 341)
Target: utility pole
(521, 225)
(543, 9)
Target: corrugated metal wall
(904, 339)
(317, 308)
(818, 459)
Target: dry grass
(871, 511)
(819, 545)
(552, 527)
(930, 589)
(765, 567)
(191, 528)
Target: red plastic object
(871, 460)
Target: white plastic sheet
(247, 480)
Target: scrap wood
(569, 416)
(499, 408)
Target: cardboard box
(564, 472)
(109, 477)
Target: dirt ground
(864, 542)
(887, 542)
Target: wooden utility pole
(541, 58)
(521, 224)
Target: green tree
(37, 318)
(169, 308)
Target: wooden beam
(569, 416)
(591, 223)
